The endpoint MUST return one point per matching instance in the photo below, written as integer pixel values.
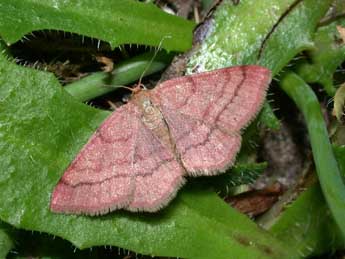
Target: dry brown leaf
(108, 63)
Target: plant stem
(100, 83)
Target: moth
(140, 155)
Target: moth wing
(100, 179)
(123, 165)
(203, 149)
(228, 98)
(158, 175)
(205, 113)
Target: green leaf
(42, 128)
(307, 227)
(273, 33)
(326, 165)
(234, 37)
(104, 20)
(293, 34)
(324, 59)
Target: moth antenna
(132, 89)
(151, 60)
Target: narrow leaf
(326, 165)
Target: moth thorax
(152, 116)
(154, 120)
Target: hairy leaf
(273, 33)
(104, 20)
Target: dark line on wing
(121, 139)
(287, 11)
(219, 97)
(121, 175)
(238, 87)
(201, 143)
